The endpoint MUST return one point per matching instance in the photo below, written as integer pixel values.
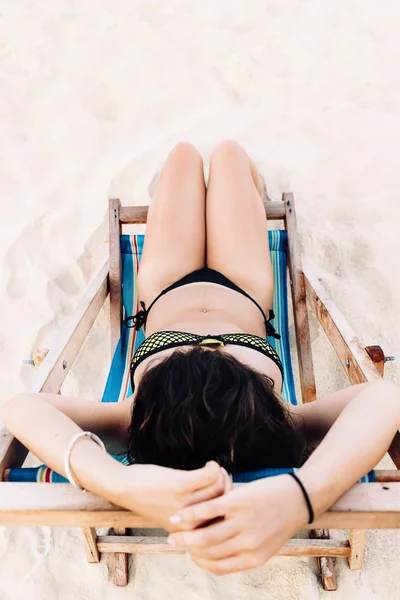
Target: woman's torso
(204, 308)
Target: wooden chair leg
(90, 544)
(120, 567)
(357, 537)
(325, 563)
(357, 540)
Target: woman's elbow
(388, 393)
(13, 407)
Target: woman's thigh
(236, 224)
(175, 231)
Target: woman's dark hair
(203, 405)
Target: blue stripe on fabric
(263, 473)
(131, 247)
(278, 245)
(29, 475)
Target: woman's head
(201, 405)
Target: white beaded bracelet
(67, 457)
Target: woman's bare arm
(354, 444)
(109, 420)
(316, 418)
(43, 424)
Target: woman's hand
(159, 492)
(260, 517)
(254, 522)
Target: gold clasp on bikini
(211, 340)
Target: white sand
(93, 95)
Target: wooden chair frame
(365, 506)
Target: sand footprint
(18, 261)
(5, 535)
(361, 252)
(39, 541)
(44, 541)
(132, 180)
(69, 280)
(95, 252)
(18, 281)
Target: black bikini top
(163, 340)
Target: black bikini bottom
(208, 275)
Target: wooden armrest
(59, 360)
(355, 360)
(138, 214)
(365, 506)
(351, 353)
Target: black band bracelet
(306, 498)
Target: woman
(207, 385)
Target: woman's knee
(229, 150)
(184, 154)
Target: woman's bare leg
(236, 225)
(175, 232)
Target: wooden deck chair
(373, 503)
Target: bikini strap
(140, 318)
(137, 321)
(270, 328)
